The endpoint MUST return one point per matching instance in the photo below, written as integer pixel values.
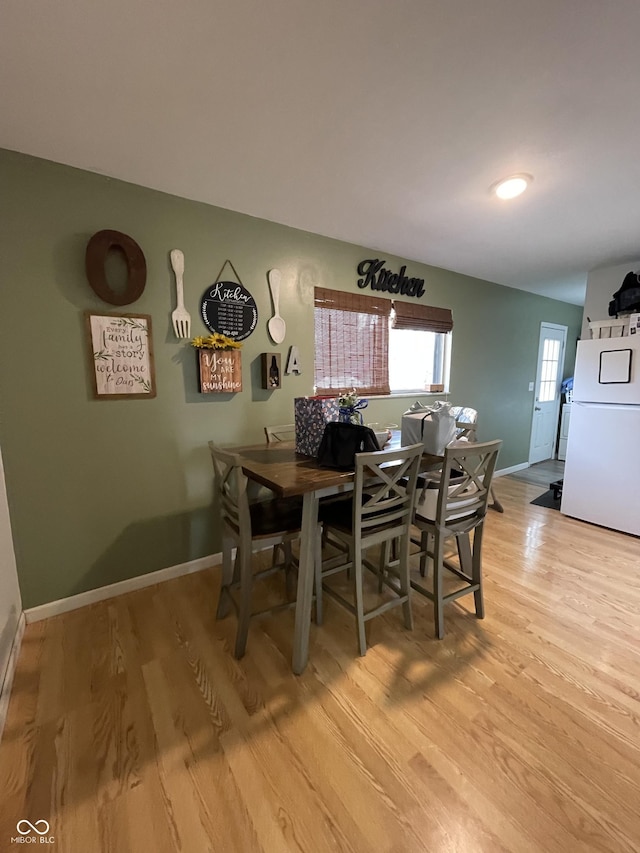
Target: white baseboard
(504, 471)
(64, 605)
(7, 682)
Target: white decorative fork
(180, 317)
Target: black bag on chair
(341, 441)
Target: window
(417, 360)
(549, 373)
(352, 342)
(419, 351)
(361, 343)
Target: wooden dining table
(287, 473)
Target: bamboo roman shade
(423, 318)
(352, 342)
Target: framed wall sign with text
(121, 353)
(229, 308)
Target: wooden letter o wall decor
(98, 248)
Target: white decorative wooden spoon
(276, 326)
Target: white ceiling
(377, 122)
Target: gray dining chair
(287, 432)
(250, 527)
(379, 510)
(280, 432)
(467, 428)
(455, 506)
(274, 435)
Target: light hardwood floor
(542, 473)
(132, 728)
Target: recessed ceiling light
(512, 186)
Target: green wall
(100, 491)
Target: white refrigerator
(602, 468)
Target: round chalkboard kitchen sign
(229, 308)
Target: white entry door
(544, 424)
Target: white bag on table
(433, 426)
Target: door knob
(537, 409)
